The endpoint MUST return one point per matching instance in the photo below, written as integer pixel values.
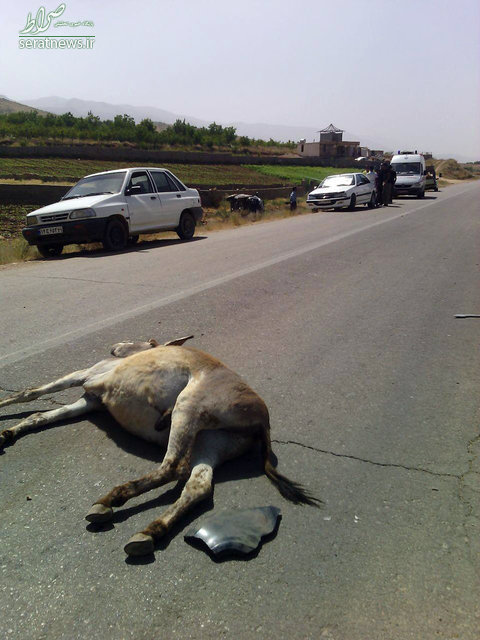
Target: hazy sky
(403, 72)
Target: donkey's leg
(211, 449)
(186, 423)
(102, 510)
(75, 379)
(83, 405)
(198, 487)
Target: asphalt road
(344, 323)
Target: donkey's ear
(153, 343)
(177, 342)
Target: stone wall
(31, 193)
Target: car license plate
(50, 231)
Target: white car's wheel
(186, 228)
(116, 236)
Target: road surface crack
(373, 462)
(469, 496)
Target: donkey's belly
(137, 396)
(138, 418)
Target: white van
(411, 174)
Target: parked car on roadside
(114, 207)
(343, 191)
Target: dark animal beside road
(245, 203)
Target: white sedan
(343, 191)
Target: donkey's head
(124, 349)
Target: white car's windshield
(407, 168)
(338, 181)
(97, 185)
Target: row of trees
(123, 128)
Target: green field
(69, 171)
(296, 174)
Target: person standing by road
(371, 174)
(387, 185)
(392, 179)
(293, 199)
(379, 184)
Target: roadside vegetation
(16, 250)
(222, 218)
(13, 247)
(29, 127)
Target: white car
(343, 191)
(114, 207)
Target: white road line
(42, 346)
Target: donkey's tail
(290, 490)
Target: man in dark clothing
(379, 184)
(392, 179)
(387, 185)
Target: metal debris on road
(238, 531)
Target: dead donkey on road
(174, 396)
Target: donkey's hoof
(99, 513)
(5, 436)
(139, 545)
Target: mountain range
(10, 106)
(106, 110)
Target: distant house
(330, 145)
